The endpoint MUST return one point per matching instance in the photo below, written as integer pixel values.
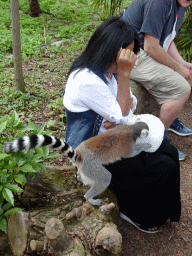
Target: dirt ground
(172, 239)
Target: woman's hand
(125, 62)
(108, 125)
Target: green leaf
(9, 178)
(36, 157)
(39, 151)
(1, 199)
(30, 153)
(3, 126)
(3, 156)
(14, 188)
(49, 133)
(31, 126)
(14, 116)
(40, 167)
(50, 123)
(13, 210)
(16, 123)
(6, 206)
(3, 179)
(3, 224)
(41, 129)
(26, 168)
(8, 195)
(45, 152)
(54, 155)
(20, 178)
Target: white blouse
(85, 90)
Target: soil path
(172, 239)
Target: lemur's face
(184, 3)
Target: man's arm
(176, 55)
(156, 51)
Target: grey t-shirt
(159, 18)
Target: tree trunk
(34, 8)
(19, 80)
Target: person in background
(147, 185)
(159, 67)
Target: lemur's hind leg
(101, 181)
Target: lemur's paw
(144, 133)
(78, 175)
(94, 201)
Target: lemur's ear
(144, 133)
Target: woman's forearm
(123, 95)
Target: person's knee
(187, 87)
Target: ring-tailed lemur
(92, 154)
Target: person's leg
(148, 186)
(169, 111)
(168, 87)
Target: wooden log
(36, 245)
(26, 230)
(17, 231)
(108, 239)
(58, 239)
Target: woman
(147, 186)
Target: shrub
(15, 166)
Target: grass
(45, 66)
(59, 20)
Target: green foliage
(59, 19)
(184, 38)
(15, 166)
(111, 6)
(16, 100)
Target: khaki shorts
(162, 82)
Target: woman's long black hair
(104, 45)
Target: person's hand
(185, 72)
(125, 61)
(108, 125)
(190, 79)
(188, 65)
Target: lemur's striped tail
(37, 141)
